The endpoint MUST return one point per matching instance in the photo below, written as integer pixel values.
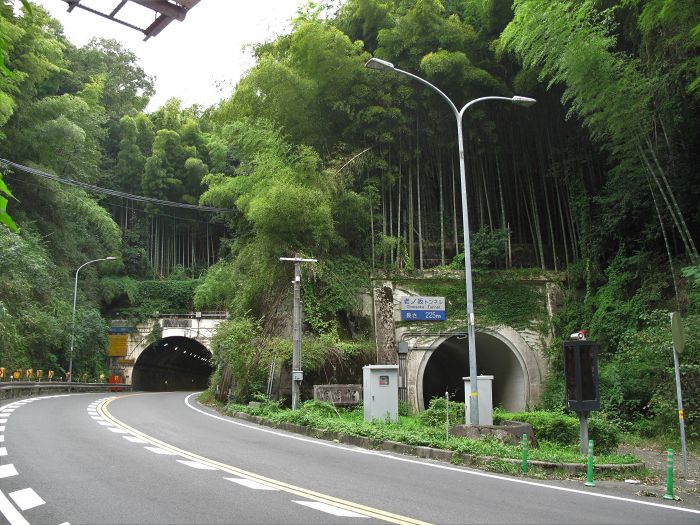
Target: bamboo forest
(594, 187)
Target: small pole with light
(383, 65)
(75, 299)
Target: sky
(199, 60)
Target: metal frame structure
(165, 11)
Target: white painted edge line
(8, 470)
(330, 509)
(477, 473)
(10, 512)
(135, 439)
(26, 499)
(249, 483)
(196, 464)
(161, 451)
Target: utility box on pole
(484, 388)
(380, 389)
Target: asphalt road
(162, 458)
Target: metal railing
(13, 389)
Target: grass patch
(419, 431)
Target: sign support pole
(678, 346)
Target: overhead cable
(98, 189)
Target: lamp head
(523, 101)
(379, 64)
(110, 258)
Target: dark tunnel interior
(450, 363)
(173, 363)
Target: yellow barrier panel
(50, 374)
(28, 373)
(39, 374)
(2, 373)
(16, 375)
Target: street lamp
(75, 298)
(383, 65)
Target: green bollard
(669, 475)
(589, 478)
(523, 442)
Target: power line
(92, 187)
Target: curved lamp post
(75, 298)
(383, 65)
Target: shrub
(561, 428)
(434, 415)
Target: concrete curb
(438, 454)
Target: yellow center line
(273, 483)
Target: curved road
(163, 458)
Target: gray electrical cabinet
(380, 390)
(483, 389)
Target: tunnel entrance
(173, 363)
(449, 363)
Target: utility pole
(297, 372)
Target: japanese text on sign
(419, 308)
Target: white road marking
(465, 471)
(97, 418)
(161, 451)
(135, 439)
(251, 484)
(8, 470)
(26, 499)
(3, 451)
(104, 423)
(196, 464)
(2, 429)
(330, 509)
(9, 410)
(117, 430)
(2, 438)
(3, 421)
(10, 512)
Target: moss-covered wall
(511, 298)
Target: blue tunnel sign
(419, 308)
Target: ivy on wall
(506, 298)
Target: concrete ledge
(438, 454)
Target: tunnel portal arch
(504, 356)
(173, 363)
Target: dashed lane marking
(117, 430)
(198, 461)
(161, 451)
(249, 483)
(135, 439)
(2, 428)
(330, 509)
(10, 512)
(2, 438)
(26, 499)
(196, 464)
(7, 471)
(3, 451)
(3, 421)
(104, 423)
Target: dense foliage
(315, 154)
